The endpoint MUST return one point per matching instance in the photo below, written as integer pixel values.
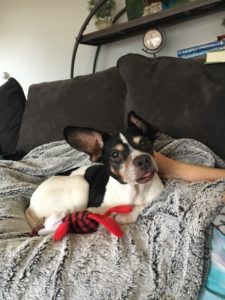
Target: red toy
(87, 222)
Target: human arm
(169, 168)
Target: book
(201, 52)
(214, 57)
(207, 46)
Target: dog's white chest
(147, 192)
(136, 194)
(117, 193)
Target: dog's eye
(144, 142)
(115, 155)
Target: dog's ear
(135, 121)
(87, 140)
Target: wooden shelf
(164, 18)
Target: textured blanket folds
(164, 255)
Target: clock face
(154, 40)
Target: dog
(128, 174)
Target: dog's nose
(142, 161)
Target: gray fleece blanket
(164, 255)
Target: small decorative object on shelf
(152, 7)
(103, 16)
(171, 3)
(154, 40)
(135, 8)
(215, 57)
(223, 22)
(222, 35)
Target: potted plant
(103, 16)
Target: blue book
(201, 52)
(202, 47)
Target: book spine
(202, 47)
(200, 53)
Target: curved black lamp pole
(86, 22)
(120, 13)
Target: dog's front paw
(125, 219)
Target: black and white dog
(127, 175)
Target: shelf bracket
(83, 28)
(119, 14)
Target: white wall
(37, 38)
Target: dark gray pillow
(183, 98)
(95, 101)
(12, 103)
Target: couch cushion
(12, 103)
(95, 101)
(183, 98)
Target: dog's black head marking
(127, 155)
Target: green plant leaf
(105, 10)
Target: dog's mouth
(146, 178)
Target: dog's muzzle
(145, 169)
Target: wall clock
(154, 40)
